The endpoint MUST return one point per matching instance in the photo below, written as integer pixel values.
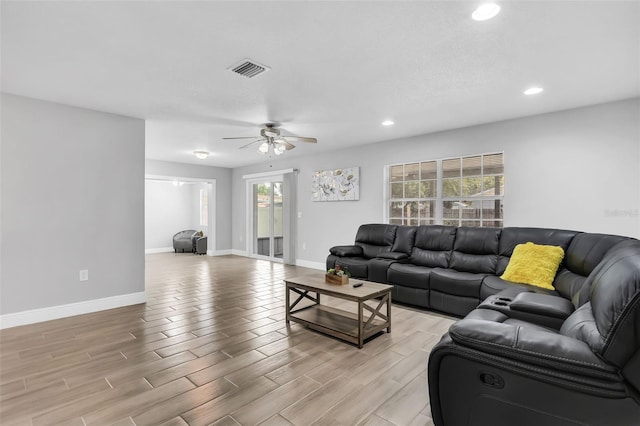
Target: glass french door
(268, 219)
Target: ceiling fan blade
(288, 145)
(300, 139)
(250, 143)
(242, 137)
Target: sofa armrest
(393, 255)
(346, 251)
(542, 304)
(201, 245)
(532, 346)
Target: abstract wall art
(336, 184)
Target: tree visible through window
(463, 191)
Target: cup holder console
(501, 301)
(546, 310)
(498, 303)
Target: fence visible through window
(461, 191)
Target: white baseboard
(219, 252)
(158, 250)
(239, 252)
(63, 311)
(309, 264)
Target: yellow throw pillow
(534, 264)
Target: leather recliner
(496, 368)
(373, 241)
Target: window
(413, 193)
(204, 207)
(463, 191)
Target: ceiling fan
(272, 139)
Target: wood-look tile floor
(211, 346)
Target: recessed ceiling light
(533, 90)
(201, 154)
(388, 123)
(485, 11)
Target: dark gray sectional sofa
(521, 355)
(452, 269)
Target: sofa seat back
(511, 237)
(475, 250)
(582, 256)
(375, 239)
(405, 239)
(433, 246)
(610, 321)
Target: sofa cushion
(587, 250)
(582, 256)
(449, 281)
(570, 286)
(615, 302)
(410, 296)
(375, 238)
(357, 266)
(408, 275)
(432, 246)
(534, 264)
(496, 316)
(492, 285)
(452, 303)
(393, 255)
(405, 238)
(511, 237)
(475, 250)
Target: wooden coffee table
(348, 326)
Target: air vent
(248, 68)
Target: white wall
(167, 209)
(222, 202)
(577, 169)
(72, 198)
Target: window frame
(204, 207)
(438, 217)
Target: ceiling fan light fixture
(278, 149)
(201, 154)
(263, 148)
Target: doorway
(270, 225)
(268, 233)
(174, 204)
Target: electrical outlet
(304, 246)
(240, 238)
(299, 215)
(84, 275)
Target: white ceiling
(337, 68)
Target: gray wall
(575, 169)
(72, 198)
(221, 175)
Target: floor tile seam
(273, 390)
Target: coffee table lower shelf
(337, 323)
